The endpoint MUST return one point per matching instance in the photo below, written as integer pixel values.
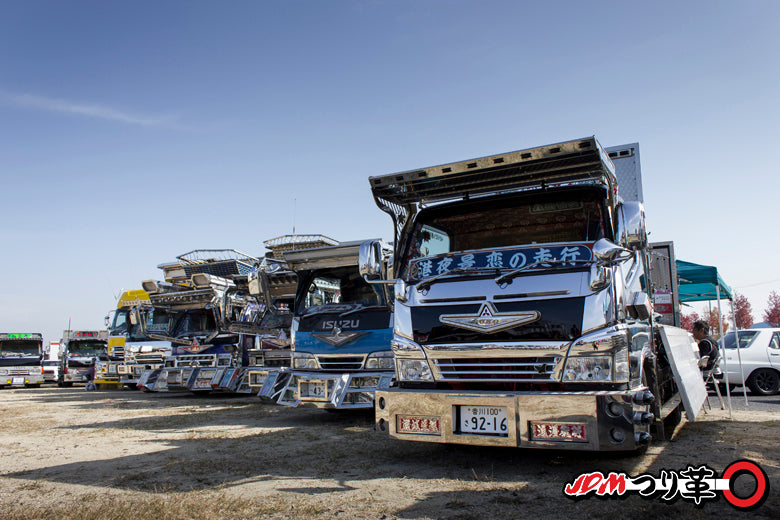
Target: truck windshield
(16, 348)
(195, 323)
(570, 216)
(156, 321)
(86, 348)
(338, 290)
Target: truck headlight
(601, 356)
(414, 370)
(380, 361)
(304, 360)
(591, 368)
(3, 372)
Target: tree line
(743, 314)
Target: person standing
(707, 344)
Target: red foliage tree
(711, 316)
(772, 312)
(686, 320)
(743, 312)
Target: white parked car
(760, 352)
(51, 369)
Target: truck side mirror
(608, 252)
(107, 320)
(370, 260)
(631, 232)
(253, 280)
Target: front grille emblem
(489, 320)
(339, 338)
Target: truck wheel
(36, 385)
(764, 381)
(67, 384)
(132, 386)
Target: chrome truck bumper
(232, 380)
(131, 374)
(335, 391)
(21, 379)
(589, 421)
(174, 380)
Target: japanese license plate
(18, 381)
(313, 390)
(485, 420)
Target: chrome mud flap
(148, 378)
(272, 386)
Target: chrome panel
(523, 409)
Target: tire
(764, 381)
(132, 386)
(67, 384)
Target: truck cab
(20, 359)
(194, 296)
(522, 313)
(342, 327)
(132, 322)
(82, 351)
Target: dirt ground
(67, 453)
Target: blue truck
(341, 332)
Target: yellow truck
(130, 350)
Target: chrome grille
(341, 362)
(149, 359)
(498, 370)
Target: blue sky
(131, 132)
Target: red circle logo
(746, 467)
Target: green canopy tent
(699, 283)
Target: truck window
(576, 216)
(26, 348)
(86, 348)
(430, 242)
(339, 287)
(198, 322)
(119, 326)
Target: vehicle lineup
(519, 304)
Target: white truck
(82, 351)
(523, 305)
(20, 359)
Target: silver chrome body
(462, 343)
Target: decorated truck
(194, 296)
(130, 350)
(81, 352)
(20, 359)
(523, 304)
(342, 327)
(262, 318)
